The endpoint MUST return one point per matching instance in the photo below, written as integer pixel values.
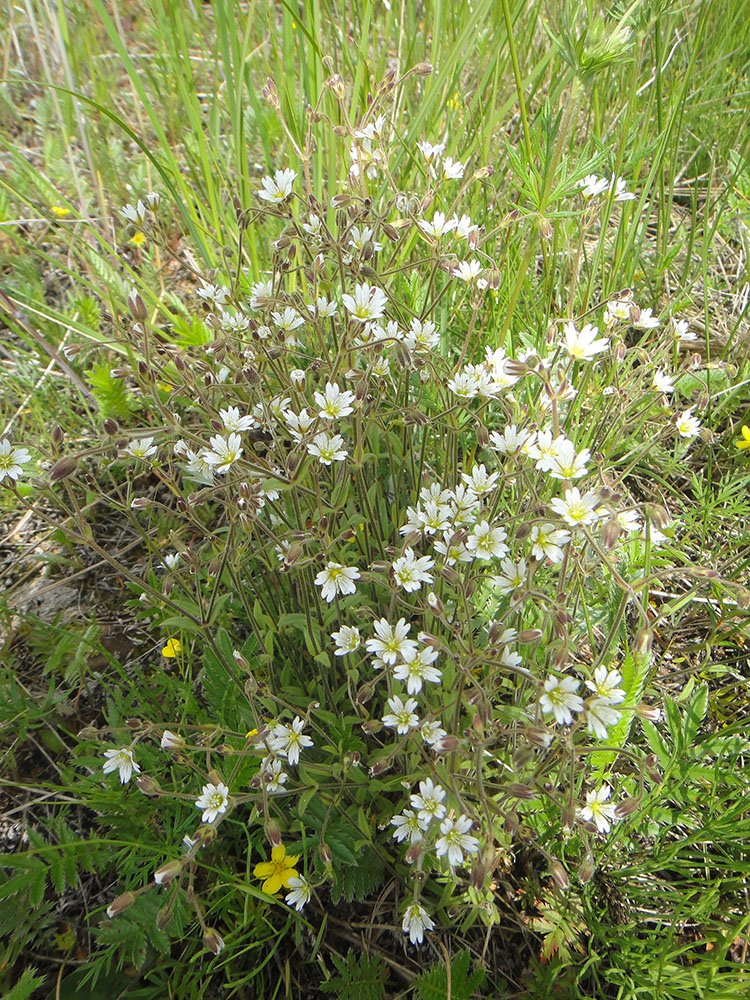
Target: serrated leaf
(695, 713)
(433, 984)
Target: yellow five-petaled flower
(278, 871)
(745, 442)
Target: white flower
(287, 741)
(367, 303)
(324, 308)
(288, 321)
(421, 336)
(198, 468)
(135, 215)
(560, 699)
(334, 403)
(455, 840)
(225, 452)
(359, 238)
(432, 732)
(410, 572)
(215, 294)
(328, 448)
(277, 188)
(663, 382)
(171, 560)
(598, 809)
(619, 185)
(687, 425)
(416, 921)
(467, 270)
(617, 309)
(486, 542)
(233, 421)
(347, 640)
(141, 448)
(440, 225)
(599, 715)
(512, 440)
(429, 151)
(391, 642)
(336, 579)
(313, 224)
(544, 450)
(463, 504)
(402, 716)
(479, 480)
(452, 551)
(429, 801)
(583, 345)
(604, 686)
(259, 292)
(575, 509)
(567, 463)
(512, 576)
(418, 670)
(408, 824)
(465, 227)
(682, 331)
(13, 459)
(273, 775)
(646, 320)
(122, 760)
(464, 384)
(213, 801)
(171, 741)
(591, 185)
(629, 520)
(301, 892)
(298, 423)
(547, 542)
(453, 169)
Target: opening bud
(650, 712)
(587, 869)
(559, 874)
(148, 785)
(626, 807)
(167, 872)
(272, 832)
(137, 305)
(120, 903)
(213, 940)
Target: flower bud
(172, 741)
(568, 816)
(650, 712)
(148, 785)
(380, 766)
(272, 832)
(520, 791)
(626, 807)
(140, 503)
(447, 744)
(153, 200)
(435, 604)
(423, 69)
(213, 940)
(364, 694)
(610, 533)
(270, 94)
(658, 516)
(642, 646)
(137, 305)
(62, 469)
(325, 852)
(587, 869)
(558, 873)
(414, 852)
(120, 903)
(167, 872)
(529, 635)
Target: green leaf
(695, 713)
(433, 985)
(26, 985)
(361, 977)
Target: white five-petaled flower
(277, 188)
(577, 510)
(300, 894)
(234, 422)
(288, 321)
(13, 459)
(224, 452)
(402, 716)
(122, 760)
(512, 440)
(347, 640)
(336, 579)
(646, 320)
(335, 402)
(547, 542)
(663, 382)
(440, 225)
(455, 840)
(512, 576)
(486, 542)
(598, 810)
(328, 448)
(429, 151)
(559, 697)
(408, 824)
(605, 686)
(287, 741)
(367, 304)
(390, 642)
(410, 572)
(591, 185)
(429, 801)
(213, 800)
(687, 425)
(453, 169)
(432, 732)
(418, 670)
(272, 774)
(583, 345)
(141, 448)
(416, 921)
(567, 463)
(467, 270)
(599, 715)
(479, 480)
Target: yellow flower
(59, 211)
(163, 387)
(172, 649)
(137, 239)
(278, 871)
(745, 443)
